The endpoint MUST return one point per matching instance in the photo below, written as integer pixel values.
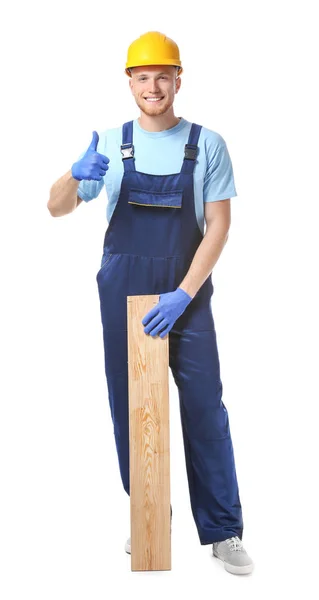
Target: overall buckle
(127, 151)
(191, 151)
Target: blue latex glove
(163, 316)
(92, 165)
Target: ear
(178, 84)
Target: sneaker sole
(244, 570)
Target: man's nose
(153, 87)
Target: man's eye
(143, 78)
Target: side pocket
(105, 260)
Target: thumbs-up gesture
(92, 165)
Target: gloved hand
(163, 316)
(92, 165)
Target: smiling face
(154, 88)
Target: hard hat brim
(148, 63)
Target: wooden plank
(148, 362)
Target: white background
(250, 74)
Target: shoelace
(235, 544)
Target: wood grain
(148, 361)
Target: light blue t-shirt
(162, 153)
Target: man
(165, 177)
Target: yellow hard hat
(153, 48)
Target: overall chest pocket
(171, 199)
(155, 226)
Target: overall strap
(191, 149)
(127, 148)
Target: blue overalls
(148, 247)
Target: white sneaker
(128, 546)
(128, 542)
(234, 556)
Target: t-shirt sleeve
(219, 178)
(90, 189)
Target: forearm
(63, 195)
(205, 258)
